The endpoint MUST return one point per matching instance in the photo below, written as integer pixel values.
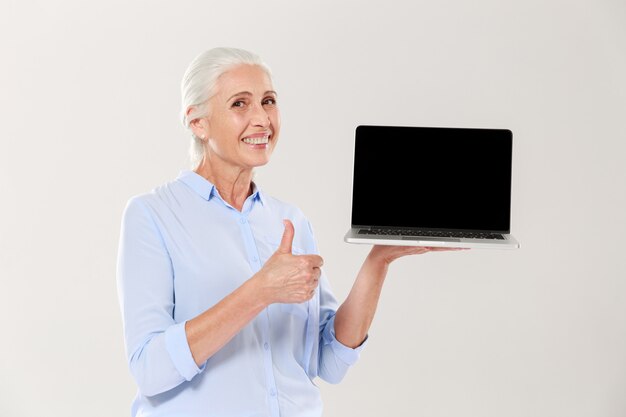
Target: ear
(199, 126)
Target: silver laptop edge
(508, 242)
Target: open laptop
(432, 186)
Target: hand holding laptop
(390, 253)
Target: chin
(257, 162)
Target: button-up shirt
(182, 250)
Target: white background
(89, 108)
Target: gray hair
(198, 86)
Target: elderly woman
(226, 309)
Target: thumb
(285, 243)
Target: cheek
(230, 127)
(237, 122)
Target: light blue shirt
(183, 249)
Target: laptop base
(353, 236)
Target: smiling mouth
(258, 140)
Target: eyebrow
(247, 93)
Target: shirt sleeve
(334, 358)
(156, 346)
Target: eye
(238, 103)
(270, 100)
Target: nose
(259, 116)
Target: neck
(234, 184)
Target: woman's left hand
(388, 254)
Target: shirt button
(243, 220)
(254, 259)
(272, 392)
(266, 346)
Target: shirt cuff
(180, 354)
(346, 354)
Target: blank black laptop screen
(432, 178)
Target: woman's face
(243, 124)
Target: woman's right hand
(288, 278)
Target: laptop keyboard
(430, 233)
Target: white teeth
(256, 141)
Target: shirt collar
(206, 189)
(196, 182)
(257, 194)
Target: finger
(315, 261)
(401, 251)
(287, 240)
(412, 250)
(317, 273)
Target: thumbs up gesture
(289, 278)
